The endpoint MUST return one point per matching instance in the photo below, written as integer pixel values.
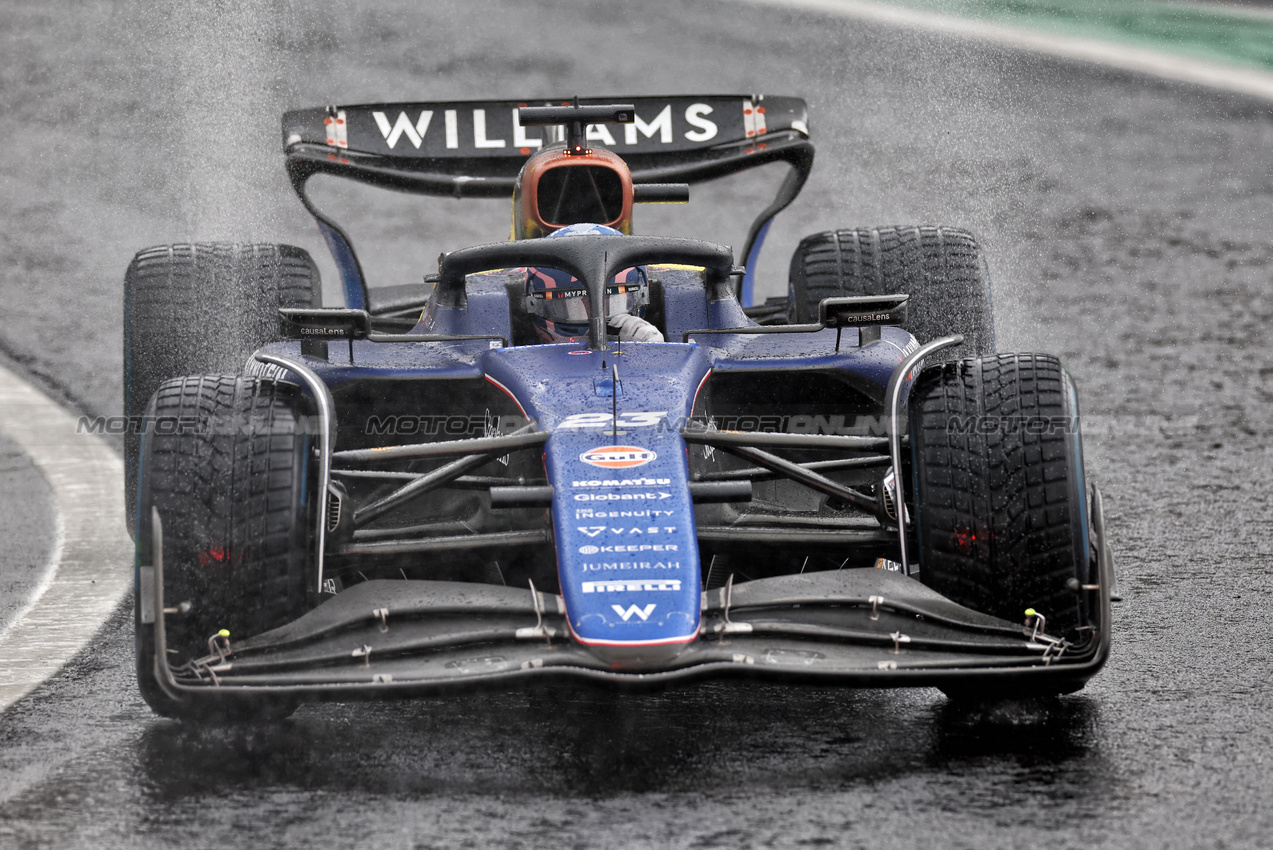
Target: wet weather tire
(201, 309)
(1000, 507)
(940, 268)
(228, 468)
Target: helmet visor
(571, 305)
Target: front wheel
(1000, 503)
(226, 463)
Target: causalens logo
(617, 457)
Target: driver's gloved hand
(633, 329)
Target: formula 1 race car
(583, 454)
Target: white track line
(91, 569)
(1169, 66)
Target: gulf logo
(618, 457)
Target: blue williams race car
(583, 454)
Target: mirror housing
(324, 323)
(660, 193)
(862, 310)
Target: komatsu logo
(627, 614)
(617, 457)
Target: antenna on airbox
(614, 401)
(575, 119)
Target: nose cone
(610, 638)
(623, 522)
(633, 656)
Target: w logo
(643, 613)
(403, 126)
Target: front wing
(860, 627)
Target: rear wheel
(227, 467)
(940, 268)
(1000, 507)
(201, 309)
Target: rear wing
(477, 149)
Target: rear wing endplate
(477, 149)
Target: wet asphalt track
(1127, 225)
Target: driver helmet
(558, 303)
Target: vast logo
(643, 613)
(594, 530)
(618, 457)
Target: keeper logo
(617, 457)
(632, 547)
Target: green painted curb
(1227, 34)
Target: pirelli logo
(631, 585)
